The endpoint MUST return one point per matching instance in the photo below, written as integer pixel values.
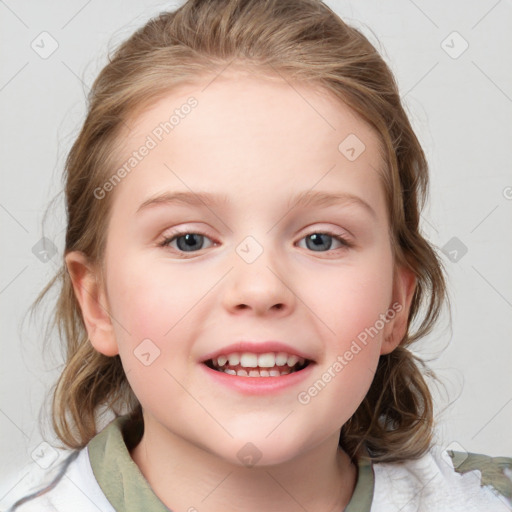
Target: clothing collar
(127, 490)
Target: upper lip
(257, 347)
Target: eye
(322, 241)
(188, 241)
(185, 241)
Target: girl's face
(210, 256)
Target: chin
(259, 452)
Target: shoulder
(70, 486)
(445, 480)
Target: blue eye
(186, 242)
(320, 242)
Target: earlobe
(403, 292)
(91, 296)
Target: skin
(260, 142)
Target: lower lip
(259, 385)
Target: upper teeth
(251, 360)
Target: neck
(187, 477)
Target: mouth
(249, 364)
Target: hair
(298, 40)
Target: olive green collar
(127, 490)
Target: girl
(243, 266)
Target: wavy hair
(299, 40)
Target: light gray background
(460, 107)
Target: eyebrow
(303, 200)
(188, 198)
(310, 198)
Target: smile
(249, 364)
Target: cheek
(352, 328)
(349, 304)
(148, 309)
(350, 300)
(149, 303)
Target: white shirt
(102, 477)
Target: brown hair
(300, 40)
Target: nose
(261, 288)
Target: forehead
(272, 132)
(270, 105)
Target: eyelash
(177, 234)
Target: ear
(90, 293)
(404, 285)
